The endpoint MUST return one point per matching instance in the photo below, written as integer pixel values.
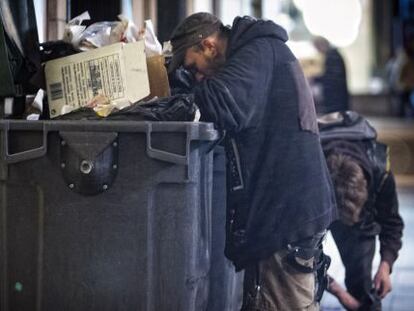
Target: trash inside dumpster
(118, 71)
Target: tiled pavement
(402, 296)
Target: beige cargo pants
(274, 285)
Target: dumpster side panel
(226, 286)
(141, 244)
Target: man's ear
(209, 45)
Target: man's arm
(391, 233)
(344, 297)
(382, 279)
(234, 97)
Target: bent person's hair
(350, 187)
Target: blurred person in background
(368, 207)
(330, 88)
(279, 195)
(401, 77)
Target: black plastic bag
(175, 108)
(181, 81)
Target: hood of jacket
(247, 28)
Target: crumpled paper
(101, 105)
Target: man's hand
(382, 280)
(345, 298)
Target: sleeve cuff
(389, 258)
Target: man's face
(203, 63)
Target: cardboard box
(158, 77)
(118, 71)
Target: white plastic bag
(131, 33)
(152, 45)
(101, 34)
(74, 29)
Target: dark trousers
(357, 252)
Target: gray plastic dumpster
(105, 215)
(226, 286)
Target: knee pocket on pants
(283, 287)
(302, 284)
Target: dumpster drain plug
(86, 167)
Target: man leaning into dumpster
(279, 195)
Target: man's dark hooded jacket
(278, 185)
